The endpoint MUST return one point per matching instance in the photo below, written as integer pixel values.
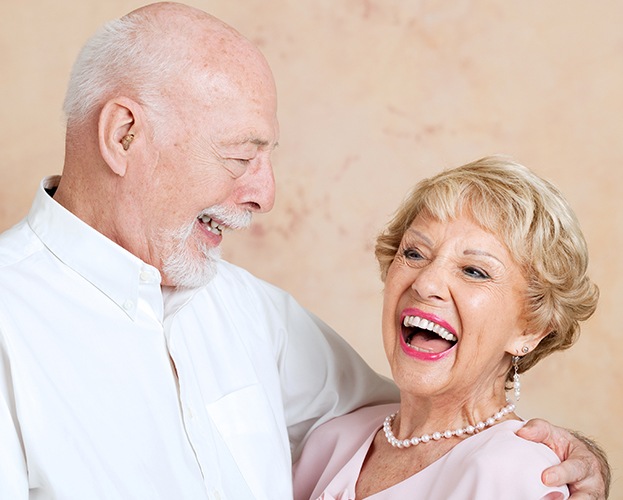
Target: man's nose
(256, 189)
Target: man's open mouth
(426, 336)
(211, 224)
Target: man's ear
(119, 124)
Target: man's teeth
(212, 226)
(424, 324)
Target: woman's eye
(412, 254)
(474, 272)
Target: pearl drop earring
(516, 382)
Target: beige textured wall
(374, 95)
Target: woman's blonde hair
(532, 218)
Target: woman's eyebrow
(473, 251)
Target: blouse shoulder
(497, 463)
(331, 445)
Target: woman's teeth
(425, 324)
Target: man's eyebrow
(264, 143)
(252, 140)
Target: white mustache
(232, 219)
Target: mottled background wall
(374, 95)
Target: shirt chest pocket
(245, 421)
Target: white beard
(184, 268)
(191, 263)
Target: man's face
(212, 171)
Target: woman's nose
(431, 282)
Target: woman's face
(461, 282)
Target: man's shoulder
(226, 271)
(233, 279)
(17, 243)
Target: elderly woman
(484, 269)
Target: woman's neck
(426, 415)
(386, 465)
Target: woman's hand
(584, 466)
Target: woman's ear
(118, 126)
(526, 342)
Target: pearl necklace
(436, 436)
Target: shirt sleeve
(321, 375)
(13, 472)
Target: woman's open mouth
(426, 339)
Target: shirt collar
(109, 267)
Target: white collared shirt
(90, 407)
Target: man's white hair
(128, 56)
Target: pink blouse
(493, 464)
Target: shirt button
(189, 412)
(145, 276)
(128, 305)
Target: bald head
(151, 53)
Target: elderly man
(134, 363)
